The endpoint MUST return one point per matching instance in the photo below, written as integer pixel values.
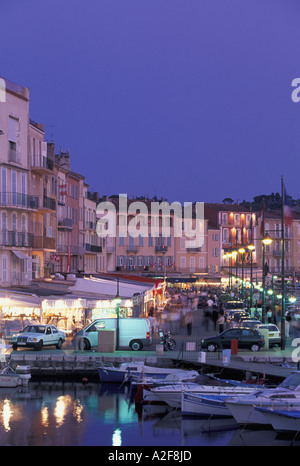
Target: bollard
(234, 346)
(159, 350)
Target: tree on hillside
(228, 200)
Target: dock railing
(191, 350)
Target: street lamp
(267, 240)
(233, 255)
(117, 301)
(242, 252)
(251, 248)
(229, 255)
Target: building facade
(70, 216)
(272, 227)
(43, 182)
(16, 203)
(93, 256)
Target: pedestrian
(189, 322)
(221, 322)
(214, 316)
(151, 320)
(288, 319)
(269, 314)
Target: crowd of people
(178, 313)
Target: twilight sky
(185, 99)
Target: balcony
(14, 156)
(74, 250)
(65, 224)
(161, 248)
(47, 204)
(133, 248)
(192, 249)
(16, 239)
(41, 164)
(19, 201)
(43, 242)
(92, 248)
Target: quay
(77, 365)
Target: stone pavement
(199, 332)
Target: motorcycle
(166, 340)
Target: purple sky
(185, 99)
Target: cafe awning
(20, 255)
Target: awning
(20, 255)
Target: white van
(133, 332)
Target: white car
(37, 336)
(274, 333)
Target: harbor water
(97, 414)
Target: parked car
(234, 305)
(247, 339)
(235, 319)
(249, 323)
(37, 336)
(274, 333)
(231, 314)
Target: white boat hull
(9, 381)
(193, 404)
(172, 395)
(283, 421)
(246, 412)
(14, 378)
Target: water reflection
(101, 414)
(6, 414)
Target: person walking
(221, 322)
(151, 320)
(189, 322)
(215, 316)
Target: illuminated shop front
(66, 314)
(16, 312)
(70, 314)
(108, 308)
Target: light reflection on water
(101, 414)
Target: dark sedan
(247, 338)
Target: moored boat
(198, 404)
(282, 420)
(172, 394)
(285, 396)
(14, 378)
(135, 371)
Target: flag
(261, 220)
(62, 189)
(69, 260)
(287, 209)
(54, 257)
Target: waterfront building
(201, 260)
(273, 250)
(43, 182)
(70, 220)
(93, 257)
(139, 253)
(16, 203)
(236, 224)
